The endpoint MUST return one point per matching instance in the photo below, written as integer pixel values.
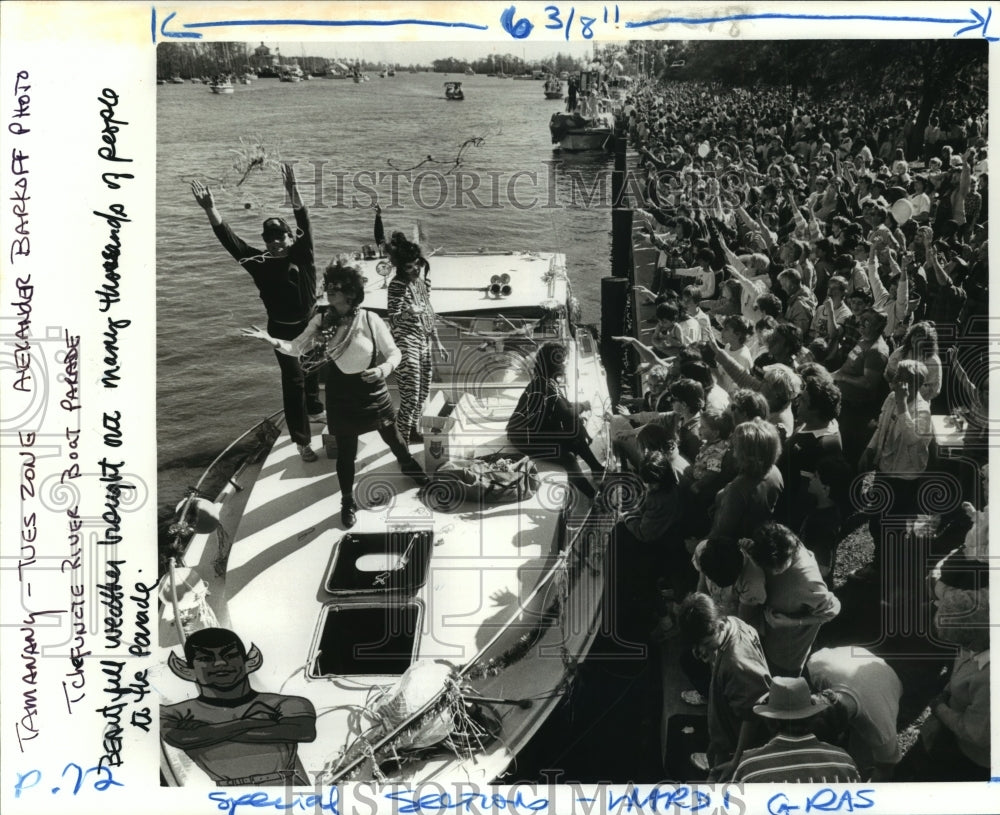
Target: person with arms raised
(285, 276)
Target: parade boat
(453, 91)
(574, 132)
(435, 637)
(222, 85)
(553, 88)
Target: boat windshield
(490, 354)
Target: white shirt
(357, 355)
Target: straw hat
(789, 698)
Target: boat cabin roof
(525, 284)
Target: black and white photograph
(632, 418)
(496, 408)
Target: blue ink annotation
(103, 782)
(558, 19)
(971, 24)
(194, 35)
(298, 802)
(826, 799)
(410, 801)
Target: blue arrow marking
(976, 22)
(177, 35)
(980, 21)
(336, 23)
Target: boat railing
(576, 553)
(181, 530)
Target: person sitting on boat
(411, 319)
(285, 276)
(347, 341)
(238, 736)
(545, 422)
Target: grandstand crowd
(814, 368)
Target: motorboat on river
(453, 91)
(222, 85)
(576, 132)
(553, 88)
(436, 636)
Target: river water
(509, 190)
(518, 194)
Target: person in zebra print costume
(411, 320)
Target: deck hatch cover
(379, 562)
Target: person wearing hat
(794, 754)
(414, 328)
(285, 276)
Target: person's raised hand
(203, 195)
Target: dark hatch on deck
(367, 638)
(393, 561)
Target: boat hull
(587, 140)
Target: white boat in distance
(436, 636)
(222, 85)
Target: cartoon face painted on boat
(216, 663)
(220, 667)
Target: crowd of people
(817, 332)
(818, 319)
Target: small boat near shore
(453, 91)
(553, 88)
(436, 636)
(222, 85)
(574, 132)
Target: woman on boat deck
(411, 319)
(347, 341)
(545, 424)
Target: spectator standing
(794, 754)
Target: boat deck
(489, 588)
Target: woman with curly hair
(346, 342)
(411, 319)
